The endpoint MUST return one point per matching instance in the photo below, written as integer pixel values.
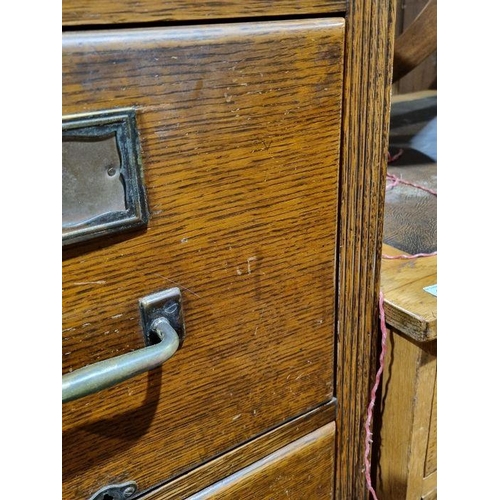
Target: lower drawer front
(301, 470)
(239, 127)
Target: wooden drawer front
(92, 12)
(239, 128)
(301, 470)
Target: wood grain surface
(408, 307)
(95, 12)
(431, 457)
(300, 470)
(432, 495)
(404, 444)
(240, 132)
(245, 455)
(367, 83)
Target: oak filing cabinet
(223, 190)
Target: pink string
(391, 158)
(415, 256)
(373, 395)
(397, 180)
(373, 398)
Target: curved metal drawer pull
(94, 378)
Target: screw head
(129, 491)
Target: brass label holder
(103, 188)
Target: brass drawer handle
(109, 372)
(161, 316)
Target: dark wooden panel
(300, 470)
(240, 127)
(95, 12)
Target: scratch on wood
(99, 282)
(179, 285)
(249, 260)
(267, 145)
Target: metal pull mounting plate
(115, 491)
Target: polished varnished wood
(246, 455)
(368, 77)
(240, 132)
(298, 471)
(408, 307)
(94, 12)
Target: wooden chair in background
(417, 42)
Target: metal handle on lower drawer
(98, 376)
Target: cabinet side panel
(367, 81)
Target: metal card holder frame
(101, 199)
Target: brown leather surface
(410, 219)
